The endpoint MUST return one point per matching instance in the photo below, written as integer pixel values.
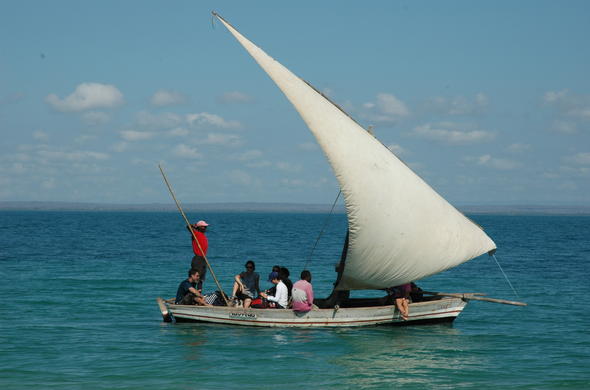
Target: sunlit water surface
(79, 308)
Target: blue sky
(488, 101)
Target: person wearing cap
(303, 293)
(281, 297)
(273, 289)
(200, 250)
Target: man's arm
(195, 291)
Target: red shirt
(202, 241)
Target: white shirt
(282, 295)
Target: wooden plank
(472, 296)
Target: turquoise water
(80, 312)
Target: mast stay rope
(505, 277)
(322, 230)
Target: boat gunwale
(413, 304)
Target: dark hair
(192, 271)
(284, 273)
(250, 262)
(276, 268)
(306, 275)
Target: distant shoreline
(275, 208)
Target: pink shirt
(302, 294)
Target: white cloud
(389, 104)
(496, 163)
(451, 133)
(457, 105)
(518, 148)
(133, 135)
(238, 176)
(249, 155)
(576, 107)
(159, 121)
(579, 159)
(82, 155)
(206, 119)
(386, 109)
(396, 149)
(258, 164)
(184, 151)
(167, 98)
(85, 138)
(552, 96)
(288, 167)
(308, 146)
(582, 112)
(564, 127)
(95, 117)
(48, 184)
(178, 132)
(297, 183)
(87, 96)
(120, 147)
(235, 97)
(221, 139)
(40, 135)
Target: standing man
(303, 293)
(200, 250)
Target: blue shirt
(183, 289)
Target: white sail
(401, 230)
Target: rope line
(322, 231)
(505, 277)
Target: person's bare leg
(405, 305)
(235, 289)
(247, 303)
(399, 306)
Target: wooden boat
(358, 312)
(399, 229)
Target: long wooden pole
(193, 234)
(471, 296)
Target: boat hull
(437, 311)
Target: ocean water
(79, 308)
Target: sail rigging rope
(505, 277)
(322, 230)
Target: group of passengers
(246, 288)
(282, 295)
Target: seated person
(303, 293)
(273, 289)
(187, 294)
(416, 294)
(401, 294)
(246, 285)
(284, 276)
(281, 298)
